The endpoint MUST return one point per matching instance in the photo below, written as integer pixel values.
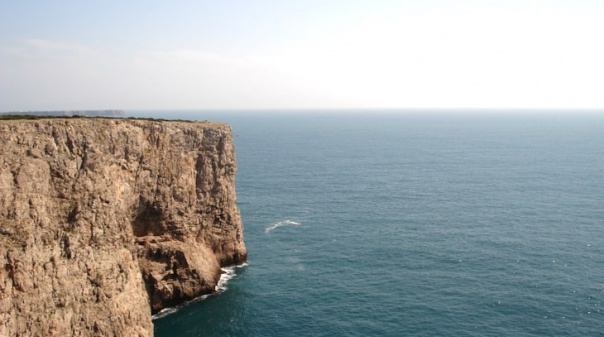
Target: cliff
(106, 221)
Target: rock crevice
(106, 221)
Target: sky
(295, 54)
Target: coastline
(226, 275)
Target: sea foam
(228, 273)
(281, 224)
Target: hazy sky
(207, 54)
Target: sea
(411, 223)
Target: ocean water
(419, 224)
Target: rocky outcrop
(106, 221)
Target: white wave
(281, 224)
(169, 311)
(227, 274)
(164, 312)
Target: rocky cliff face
(104, 221)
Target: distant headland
(87, 113)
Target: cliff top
(9, 117)
(88, 113)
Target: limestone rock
(106, 221)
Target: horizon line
(318, 109)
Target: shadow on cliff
(148, 220)
(171, 272)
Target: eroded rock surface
(105, 221)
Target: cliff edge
(106, 221)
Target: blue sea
(411, 223)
